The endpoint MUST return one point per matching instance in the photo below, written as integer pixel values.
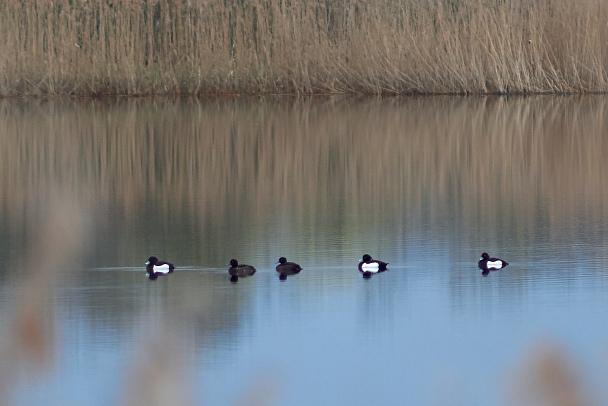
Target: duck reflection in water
(286, 269)
(487, 264)
(237, 270)
(369, 266)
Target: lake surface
(91, 189)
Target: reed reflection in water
(323, 168)
(321, 180)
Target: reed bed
(105, 47)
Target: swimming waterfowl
(286, 269)
(156, 268)
(369, 266)
(487, 264)
(241, 270)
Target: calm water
(91, 189)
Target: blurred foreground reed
(548, 375)
(57, 234)
(102, 47)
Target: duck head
(366, 258)
(152, 261)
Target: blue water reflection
(424, 184)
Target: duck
(156, 268)
(286, 269)
(487, 264)
(241, 270)
(369, 266)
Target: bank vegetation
(125, 47)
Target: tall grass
(100, 47)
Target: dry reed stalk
(157, 374)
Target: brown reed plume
(548, 375)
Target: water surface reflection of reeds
(275, 160)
